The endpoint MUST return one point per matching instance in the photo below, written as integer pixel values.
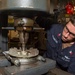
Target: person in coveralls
(61, 43)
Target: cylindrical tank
(26, 7)
(24, 4)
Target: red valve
(69, 8)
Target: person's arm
(71, 67)
(51, 44)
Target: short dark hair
(72, 19)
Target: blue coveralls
(64, 57)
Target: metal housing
(26, 7)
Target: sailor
(61, 44)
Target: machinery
(26, 61)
